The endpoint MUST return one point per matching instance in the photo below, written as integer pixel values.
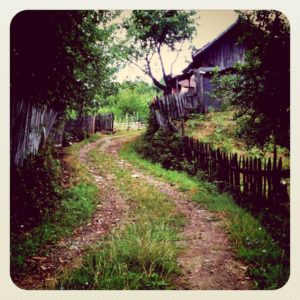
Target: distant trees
(261, 87)
(62, 58)
(149, 31)
(132, 99)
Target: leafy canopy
(260, 89)
(150, 30)
(62, 58)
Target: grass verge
(77, 204)
(220, 128)
(250, 240)
(141, 254)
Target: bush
(35, 189)
(164, 146)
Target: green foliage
(142, 254)
(62, 58)
(75, 206)
(261, 87)
(129, 152)
(156, 27)
(132, 99)
(150, 30)
(221, 129)
(35, 189)
(164, 147)
(140, 258)
(268, 263)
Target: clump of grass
(77, 204)
(143, 254)
(251, 242)
(142, 257)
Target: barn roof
(208, 45)
(199, 53)
(185, 74)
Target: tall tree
(149, 31)
(61, 58)
(261, 87)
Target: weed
(143, 254)
(221, 129)
(76, 206)
(268, 266)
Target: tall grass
(249, 239)
(142, 255)
(77, 204)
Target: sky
(210, 23)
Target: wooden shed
(222, 52)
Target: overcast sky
(210, 24)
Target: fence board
(242, 175)
(30, 128)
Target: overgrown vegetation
(260, 87)
(221, 129)
(163, 146)
(268, 262)
(73, 206)
(131, 101)
(35, 189)
(58, 58)
(142, 255)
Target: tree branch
(155, 81)
(137, 65)
(177, 55)
(148, 72)
(161, 62)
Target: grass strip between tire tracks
(250, 240)
(141, 255)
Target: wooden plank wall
(224, 52)
(177, 106)
(105, 122)
(30, 127)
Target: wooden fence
(129, 125)
(78, 128)
(177, 106)
(83, 124)
(262, 180)
(31, 126)
(105, 122)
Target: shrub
(35, 189)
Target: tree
(149, 31)
(260, 89)
(61, 58)
(131, 99)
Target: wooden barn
(223, 52)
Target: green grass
(140, 255)
(77, 205)
(250, 240)
(219, 128)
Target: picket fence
(247, 176)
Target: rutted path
(208, 262)
(68, 252)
